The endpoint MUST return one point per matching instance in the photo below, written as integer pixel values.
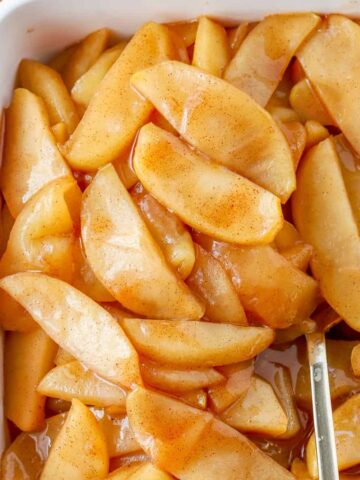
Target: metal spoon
(321, 405)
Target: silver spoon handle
(321, 404)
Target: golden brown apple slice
(265, 53)
(315, 133)
(331, 54)
(306, 103)
(14, 317)
(251, 144)
(60, 132)
(84, 56)
(205, 195)
(258, 411)
(119, 436)
(125, 257)
(194, 398)
(200, 444)
(48, 84)
(355, 360)
(59, 60)
(77, 324)
(269, 287)
(185, 30)
(176, 380)
(79, 450)
(292, 247)
(85, 87)
(73, 380)
(31, 157)
(211, 49)
(168, 230)
(194, 344)
(42, 238)
(236, 36)
(25, 457)
(238, 381)
(209, 280)
(63, 357)
(324, 218)
(23, 370)
(116, 112)
(347, 435)
(140, 471)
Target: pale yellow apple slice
(205, 195)
(42, 237)
(200, 445)
(24, 369)
(77, 324)
(168, 230)
(324, 218)
(238, 381)
(48, 84)
(211, 49)
(79, 450)
(306, 103)
(119, 436)
(31, 157)
(73, 380)
(116, 112)
(347, 435)
(265, 53)
(85, 87)
(211, 282)
(84, 56)
(125, 257)
(269, 287)
(141, 471)
(222, 121)
(194, 344)
(177, 380)
(258, 411)
(331, 60)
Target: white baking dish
(36, 28)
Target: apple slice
(125, 257)
(331, 54)
(73, 380)
(77, 324)
(196, 344)
(79, 450)
(192, 444)
(258, 411)
(205, 195)
(324, 218)
(251, 144)
(355, 360)
(63, 357)
(116, 112)
(42, 237)
(119, 436)
(185, 30)
(211, 49)
(176, 380)
(48, 84)
(238, 381)
(265, 53)
(269, 287)
(85, 55)
(315, 133)
(306, 103)
(168, 230)
(31, 157)
(347, 435)
(23, 405)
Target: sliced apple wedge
(258, 411)
(205, 195)
(324, 218)
(168, 230)
(77, 324)
(120, 438)
(306, 103)
(332, 54)
(116, 112)
(73, 380)
(194, 344)
(79, 450)
(269, 287)
(177, 380)
(251, 144)
(31, 157)
(265, 53)
(355, 360)
(42, 238)
(347, 435)
(197, 444)
(125, 257)
(211, 282)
